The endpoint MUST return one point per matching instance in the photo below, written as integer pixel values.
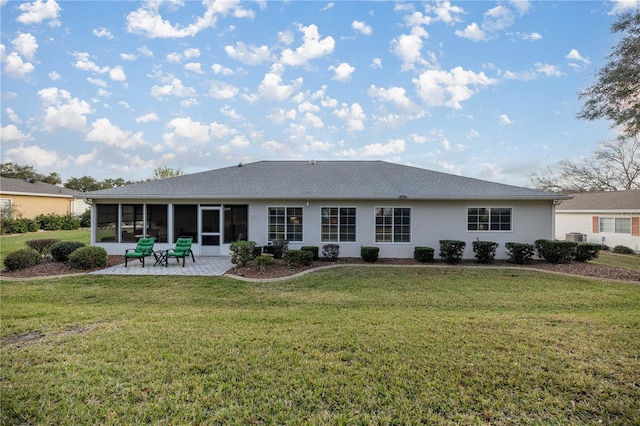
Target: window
(5, 208)
(107, 222)
(285, 223)
(157, 222)
(489, 219)
(617, 225)
(236, 223)
(338, 224)
(185, 221)
(131, 222)
(393, 225)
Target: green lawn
(628, 261)
(11, 243)
(346, 346)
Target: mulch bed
(280, 269)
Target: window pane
(185, 221)
(157, 222)
(623, 225)
(607, 224)
(236, 223)
(107, 222)
(131, 227)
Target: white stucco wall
(430, 222)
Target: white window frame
(339, 225)
(613, 224)
(489, 222)
(392, 224)
(287, 222)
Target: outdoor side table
(161, 257)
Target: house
(611, 218)
(30, 198)
(313, 203)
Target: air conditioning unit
(575, 236)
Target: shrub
(520, 253)
(313, 249)
(331, 251)
(587, 251)
(49, 222)
(369, 254)
(263, 261)
(485, 251)
(89, 258)
(42, 246)
(18, 226)
(85, 218)
(242, 252)
(622, 250)
(61, 251)
(279, 247)
(451, 250)
(556, 251)
(298, 257)
(423, 254)
(70, 222)
(21, 259)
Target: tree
(84, 184)
(616, 94)
(115, 183)
(165, 172)
(16, 171)
(614, 166)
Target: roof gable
(322, 180)
(23, 186)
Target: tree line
(81, 184)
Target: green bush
(451, 250)
(42, 246)
(298, 257)
(520, 253)
(331, 251)
(242, 252)
(89, 258)
(279, 247)
(423, 254)
(485, 251)
(313, 249)
(70, 222)
(21, 259)
(369, 254)
(85, 218)
(263, 261)
(556, 251)
(61, 251)
(18, 226)
(56, 222)
(587, 251)
(622, 250)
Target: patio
(204, 265)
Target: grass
(348, 346)
(628, 261)
(11, 243)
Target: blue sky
(485, 89)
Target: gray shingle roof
(22, 186)
(321, 180)
(599, 201)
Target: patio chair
(181, 251)
(143, 249)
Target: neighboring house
(611, 218)
(30, 198)
(350, 203)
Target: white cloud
(396, 95)
(312, 47)
(62, 111)
(84, 63)
(450, 88)
(445, 12)
(532, 36)
(191, 53)
(147, 20)
(221, 90)
(327, 6)
(14, 66)
(102, 32)
(128, 57)
(376, 64)
(26, 45)
(12, 115)
(185, 131)
(575, 56)
(11, 133)
(353, 115)
(219, 69)
(361, 27)
(195, 67)
(280, 116)
(117, 74)
(103, 131)
(504, 119)
(342, 72)
(97, 82)
(148, 118)
(312, 120)
(408, 47)
(38, 11)
(472, 32)
(54, 76)
(250, 55)
(393, 146)
(176, 88)
(41, 159)
(145, 51)
(522, 6)
(498, 18)
(286, 37)
(548, 70)
(620, 6)
(272, 87)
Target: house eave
(36, 194)
(599, 211)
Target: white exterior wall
(431, 221)
(583, 223)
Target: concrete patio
(204, 266)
